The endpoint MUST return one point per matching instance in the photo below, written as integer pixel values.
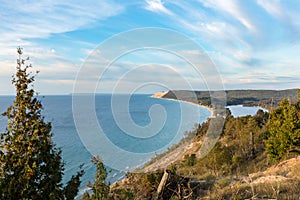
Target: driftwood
(162, 184)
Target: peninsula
(265, 98)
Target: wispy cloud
(243, 36)
(38, 19)
(22, 22)
(272, 7)
(250, 41)
(287, 14)
(157, 6)
(211, 26)
(233, 8)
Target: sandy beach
(162, 94)
(176, 153)
(159, 94)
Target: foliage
(241, 150)
(100, 188)
(123, 194)
(144, 186)
(190, 160)
(71, 189)
(31, 166)
(284, 131)
(138, 186)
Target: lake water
(240, 110)
(180, 117)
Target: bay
(58, 111)
(240, 110)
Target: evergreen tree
(31, 166)
(284, 130)
(71, 189)
(100, 188)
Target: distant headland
(265, 98)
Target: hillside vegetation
(264, 98)
(256, 157)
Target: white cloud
(39, 19)
(286, 12)
(208, 27)
(21, 22)
(233, 8)
(243, 38)
(157, 6)
(242, 56)
(272, 7)
(52, 67)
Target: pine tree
(31, 166)
(100, 188)
(284, 129)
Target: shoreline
(181, 148)
(172, 155)
(160, 95)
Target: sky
(253, 44)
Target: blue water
(240, 110)
(58, 111)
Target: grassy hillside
(252, 159)
(237, 168)
(256, 157)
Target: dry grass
(281, 181)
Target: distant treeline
(265, 98)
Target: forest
(265, 98)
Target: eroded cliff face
(159, 94)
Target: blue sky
(254, 44)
